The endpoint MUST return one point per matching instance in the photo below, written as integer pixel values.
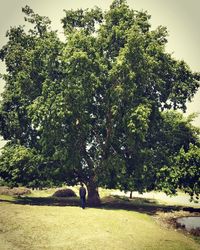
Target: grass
(114, 226)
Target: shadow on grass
(142, 205)
(43, 201)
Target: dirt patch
(169, 220)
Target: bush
(14, 191)
(64, 193)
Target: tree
(152, 166)
(188, 164)
(174, 139)
(91, 106)
(183, 174)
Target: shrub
(64, 193)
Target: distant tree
(174, 138)
(19, 165)
(182, 174)
(91, 107)
(150, 168)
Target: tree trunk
(93, 195)
(131, 194)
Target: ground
(49, 223)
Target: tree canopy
(94, 107)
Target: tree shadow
(145, 205)
(142, 205)
(43, 201)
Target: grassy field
(46, 225)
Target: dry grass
(14, 191)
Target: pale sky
(181, 17)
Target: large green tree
(91, 107)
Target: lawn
(49, 226)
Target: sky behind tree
(181, 17)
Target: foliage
(90, 109)
(176, 134)
(189, 165)
(184, 173)
(21, 166)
